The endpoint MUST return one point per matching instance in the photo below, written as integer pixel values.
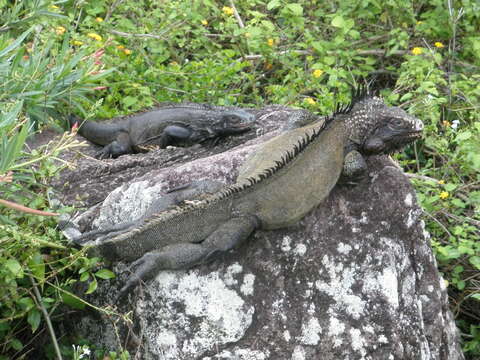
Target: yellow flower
(94, 36)
(204, 22)
(120, 47)
(317, 73)
(270, 42)
(174, 63)
(441, 182)
(438, 44)
(227, 10)
(77, 42)
(54, 7)
(310, 101)
(419, 22)
(444, 195)
(247, 35)
(127, 51)
(446, 123)
(98, 19)
(60, 30)
(417, 51)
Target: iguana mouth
(401, 141)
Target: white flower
(85, 352)
(455, 124)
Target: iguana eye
(397, 122)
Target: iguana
(286, 178)
(180, 124)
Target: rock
(355, 279)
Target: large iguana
(286, 178)
(183, 124)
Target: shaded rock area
(355, 279)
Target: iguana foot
(186, 255)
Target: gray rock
(355, 279)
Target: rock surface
(355, 279)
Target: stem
(25, 209)
(47, 318)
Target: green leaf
(11, 116)
(14, 267)
(450, 187)
(463, 136)
(461, 285)
(34, 318)
(338, 21)
(129, 101)
(317, 45)
(296, 9)
(26, 303)
(475, 296)
(406, 97)
(475, 261)
(85, 276)
(16, 43)
(459, 203)
(273, 4)
(92, 287)
(72, 301)
(37, 267)
(16, 344)
(329, 60)
(105, 274)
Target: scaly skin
(285, 179)
(180, 125)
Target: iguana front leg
(174, 133)
(354, 168)
(186, 255)
(116, 148)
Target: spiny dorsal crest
(287, 157)
(358, 95)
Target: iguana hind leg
(186, 255)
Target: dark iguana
(286, 178)
(183, 125)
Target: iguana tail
(98, 133)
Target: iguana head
(376, 128)
(233, 122)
